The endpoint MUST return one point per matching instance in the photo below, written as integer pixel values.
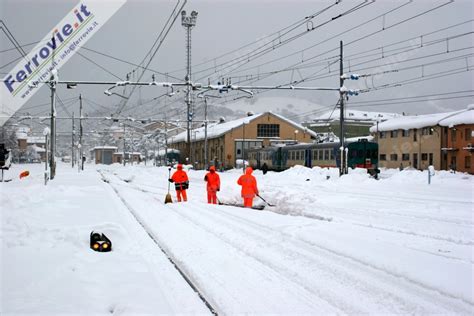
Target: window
(467, 162)
(383, 157)
(467, 134)
(331, 152)
(427, 131)
(326, 155)
(405, 133)
(453, 135)
(268, 130)
(383, 135)
(414, 135)
(393, 157)
(393, 134)
(405, 157)
(424, 156)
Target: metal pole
(188, 22)
(46, 159)
(206, 163)
(341, 104)
(243, 149)
(188, 90)
(52, 163)
(80, 133)
(124, 144)
(166, 141)
(72, 141)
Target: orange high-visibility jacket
(213, 180)
(179, 178)
(248, 183)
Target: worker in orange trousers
(181, 182)
(213, 185)
(249, 187)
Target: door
(307, 158)
(415, 161)
(107, 157)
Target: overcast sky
(226, 25)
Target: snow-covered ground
(347, 245)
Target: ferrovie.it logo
(52, 52)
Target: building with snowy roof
(228, 141)
(356, 123)
(443, 140)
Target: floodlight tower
(188, 22)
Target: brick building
(423, 140)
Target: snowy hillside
(350, 245)
(293, 108)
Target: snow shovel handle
(265, 201)
(169, 177)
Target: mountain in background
(295, 109)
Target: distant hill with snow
(295, 109)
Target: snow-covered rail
(172, 260)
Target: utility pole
(124, 144)
(52, 163)
(188, 22)
(80, 132)
(206, 162)
(72, 141)
(243, 148)
(166, 142)
(341, 105)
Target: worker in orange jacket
(181, 182)
(213, 185)
(249, 186)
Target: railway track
(163, 249)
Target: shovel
(265, 201)
(168, 196)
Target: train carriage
(361, 154)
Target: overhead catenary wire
(264, 38)
(351, 56)
(239, 61)
(373, 33)
(98, 65)
(160, 39)
(334, 36)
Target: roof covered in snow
(218, 129)
(419, 121)
(465, 117)
(38, 149)
(355, 115)
(104, 148)
(35, 140)
(162, 152)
